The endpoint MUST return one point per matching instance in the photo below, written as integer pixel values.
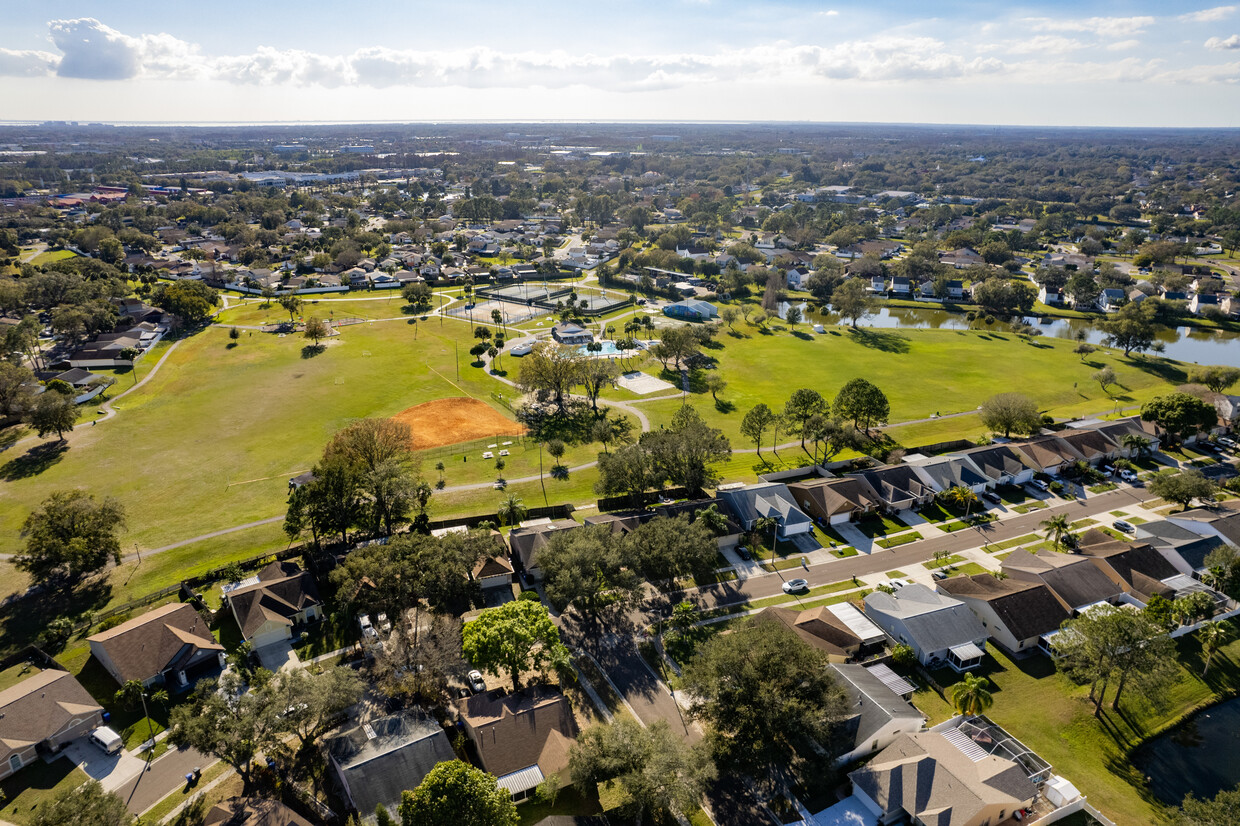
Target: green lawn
(895, 541)
(896, 574)
(49, 256)
(36, 783)
(1053, 716)
(947, 563)
(948, 364)
(876, 524)
(1012, 543)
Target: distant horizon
(206, 124)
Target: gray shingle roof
(1074, 579)
(872, 704)
(935, 621)
(402, 752)
(766, 499)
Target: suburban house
(1112, 299)
(1050, 295)
(269, 605)
(1224, 524)
(1131, 426)
(1184, 549)
(901, 286)
(835, 501)
(898, 486)
(767, 499)
(1074, 580)
(961, 259)
(493, 573)
(620, 523)
(1015, 613)
(879, 711)
(842, 635)
(1094, 445)
(378, 760)
(172, 645)
(1049, 454)
(253, 811)
(40, 715)
(567, 332)
(999, 463)
(525, 542)
(937, 627)
(521, 738)
(937, 777)
(691, 310)
(1139, 570)
(945, 472)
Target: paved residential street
(913, 553)
(165, 775)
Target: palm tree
(1214, 635)
(960, 496)
(511, 510)
(971, 695)
(1057, 530)
(1139, 445)
(768, 523)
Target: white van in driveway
(106, 739)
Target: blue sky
(1071, 63)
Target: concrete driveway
(111, 770)
(278, 656)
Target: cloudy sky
(1086, 62)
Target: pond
(1198, 755)
(1188, 344)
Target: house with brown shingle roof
(41, 714)
(835, 500)
(281, 597)
(1136, 568)
(1050, 454)
(819, 628)
(929, 778)
(1094, 445)
(521, 738)
(1075, 581)
(1014, 612)
(171, 644)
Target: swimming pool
(609, 349)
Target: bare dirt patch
(449, 421)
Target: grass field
(955, 370)
(211, 441)
(1053, 716)
(52, 255)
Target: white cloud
(1221, 44)
(828, 13)
(1039, 44)
(95, 51)
(1208, 15)
(26, 63)
(1101, 26)
(884, 59)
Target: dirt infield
(448, 421)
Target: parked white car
(1127, 475)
